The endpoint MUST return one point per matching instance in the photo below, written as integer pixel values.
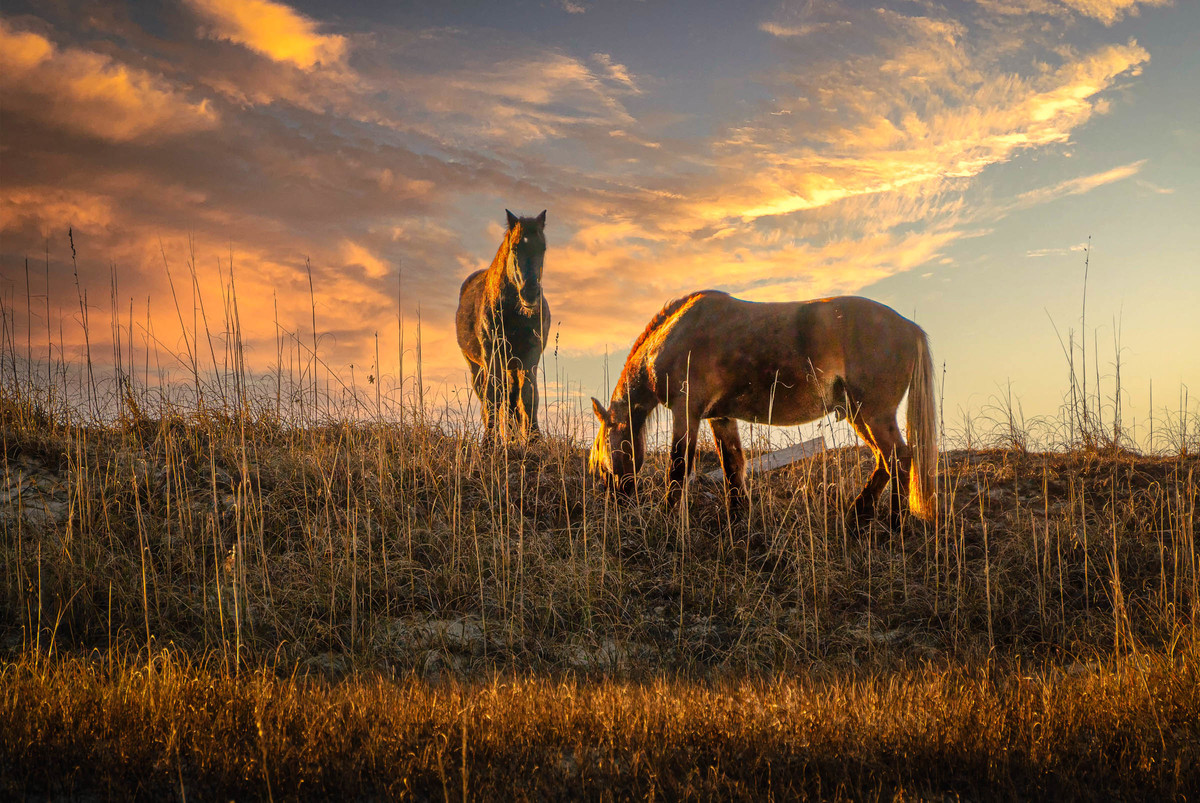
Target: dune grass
(285, 586)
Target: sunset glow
(948, 159)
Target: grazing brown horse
(502, 322)
(711, 356)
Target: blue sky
(947, 158)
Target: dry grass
(416, 549)
(78, 727)
(258, 587)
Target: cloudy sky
(950, 159)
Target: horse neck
(636, 399)
(497, 275)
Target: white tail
(922, 434)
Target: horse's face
(613, 457)
(526, 255)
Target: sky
(955, 160)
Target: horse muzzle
(529, 305)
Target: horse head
(615, 455)
(526, 253)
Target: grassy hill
(210, 601)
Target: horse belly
(783, 401)
(797, 406)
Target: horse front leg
(683, 454)
(529, 403)
(522, 403)
(512, 403)
(495, 380)
(733, 459)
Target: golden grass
(75, 727)
(265, 587)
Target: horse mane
(496, 270)
(664, 314)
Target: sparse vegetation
(274, 586)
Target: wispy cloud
(532, 97)
(1108, 12)
(891, 143)
(1154, 188)
(274, 30)
(615, 72)
(1038, 253)
(796, 31)
(1078, 185)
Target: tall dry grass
(193, 554)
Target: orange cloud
(768, 175)
(356, 255)
(795, 31)
(1106, 11)
(48, 210)
(854, 171)
(90, 93)
(273, 29)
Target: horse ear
(541, 219)
(599, 410)
(512, 219)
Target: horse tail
(922, 433)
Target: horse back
(473, 282)
(874, 339)
(797, 358)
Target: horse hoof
(859, 516)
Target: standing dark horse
(709, 355)
(502, 322)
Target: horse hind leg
(862, 509)
(897, 461)
(901, 469)
(893, 461)
(481, 385)
(883, 436)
